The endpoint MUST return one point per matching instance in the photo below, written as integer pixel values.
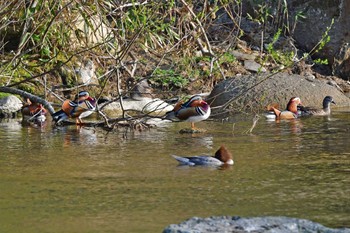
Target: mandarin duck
(291, 111)
(326, 110)
(33, 111)
(222, 157)
(194, 110)
(81, 107)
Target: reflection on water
(89, 180)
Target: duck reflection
(286, 126)
(78, 135)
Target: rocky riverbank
(256, 224)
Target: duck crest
(193, 101)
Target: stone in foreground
(254, 225)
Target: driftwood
(32, 97)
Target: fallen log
(32, 97)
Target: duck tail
(170, 116)
(59, 116)
(183, 160)
(275, 111)
(273, 105)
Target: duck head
(203, 104)
(293, 104)
(197, 101)
(90, 99)
(82, 95)
(224, 155)
(327, 101)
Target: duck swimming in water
(291, 111)
(222, 157)
(81, 107)
(194, 110)
(326, 110)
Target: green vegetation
(2, 95)
(168, 78)
(277, 56)
(135, 38)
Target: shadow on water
(88, 180)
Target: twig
(210, 51)
(255, 120)
(119, 93)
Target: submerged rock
(255, 224)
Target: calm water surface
(87, 180)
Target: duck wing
(84, 108)
(310, 111)
(183, 160)
(185, 113)
(287, 115)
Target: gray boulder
(257, 225)
(252, 93)
(309, 29)
(9, 106)
(318, 16)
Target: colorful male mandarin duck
(81, 107)
(194, 110)
(222, 157)
(33, 111)
(326, 110)
(290, 113)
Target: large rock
(318, 16)
(9, 106)
(256, 225)
(306, 31)
(255, 92)
(341, 63)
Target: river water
(88, 180)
